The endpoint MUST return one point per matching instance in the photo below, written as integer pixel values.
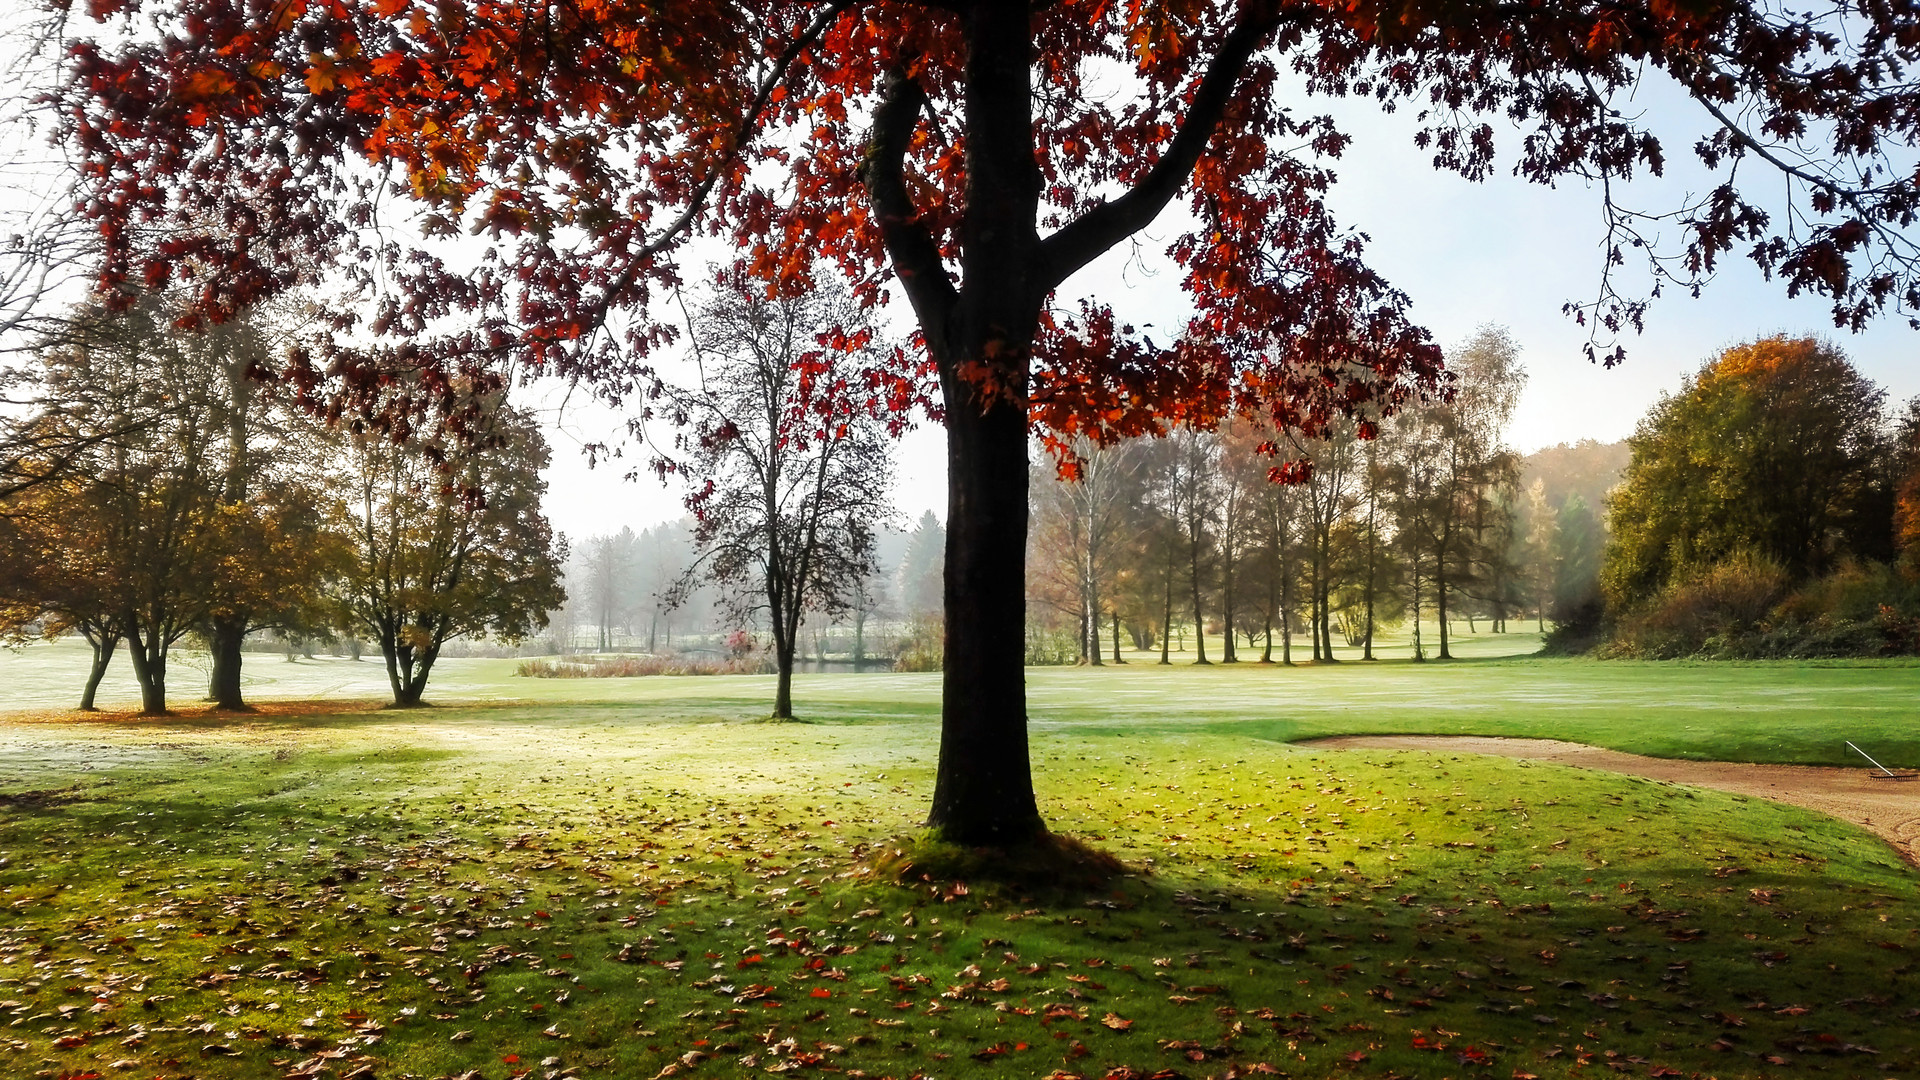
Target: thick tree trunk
(103, 646)
(1116, 639)
(407, 670)
(1440, 608)
(1313, 604)
(149, 658)
(983, 793)
(224, 639)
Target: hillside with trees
(1758, 515)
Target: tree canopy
(971, 154)
(1775, 450)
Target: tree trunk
(104, 643)
(1116, 638)
(1199, 626)
(983, 792)
(1372, 565)
(859, 638)
(783, 679)
(1166, 619)
(149, 657)
(1440, 607)
(1227, 655)
(1419, 651)
(407, 669)
(1093, 630)
(223, 641)
(1313, 603)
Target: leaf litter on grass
(554, 911)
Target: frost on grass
(505, 901)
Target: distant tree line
(179, 491)
(1281, 548)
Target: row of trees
(1422, 517)
(195, 498)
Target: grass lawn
(627, 878)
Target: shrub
(924, 647)
(1723, 602)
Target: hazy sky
(1504, 252)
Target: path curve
(1889, 808)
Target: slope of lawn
(634, 880)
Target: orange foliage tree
(971, 155)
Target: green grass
(617, 878)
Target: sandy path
(1890, 808)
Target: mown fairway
(630, 878)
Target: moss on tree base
(1049, 862)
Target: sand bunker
(1890, 808)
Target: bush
(1579, 624)
(1051, 645)
(1742, 610)
(924, 648)
(1724, 602)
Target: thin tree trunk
(1419, 651)
(1116, 638)
(1199, 626)
(1372, 569)
(1166, 619)
(104, 643)
(1227, 655)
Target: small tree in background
(449, 541)
(790, 454)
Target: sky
(1504, 252)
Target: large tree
(1776, 448)
(972, 154)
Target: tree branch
(1082, 240)
(916, 258)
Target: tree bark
(104, 643)
(224, 639)
(407, 669)
(983, 793)
(148, 654)
(1116, 638)
(783, 680)
(1166, 613)
(1227, 655)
